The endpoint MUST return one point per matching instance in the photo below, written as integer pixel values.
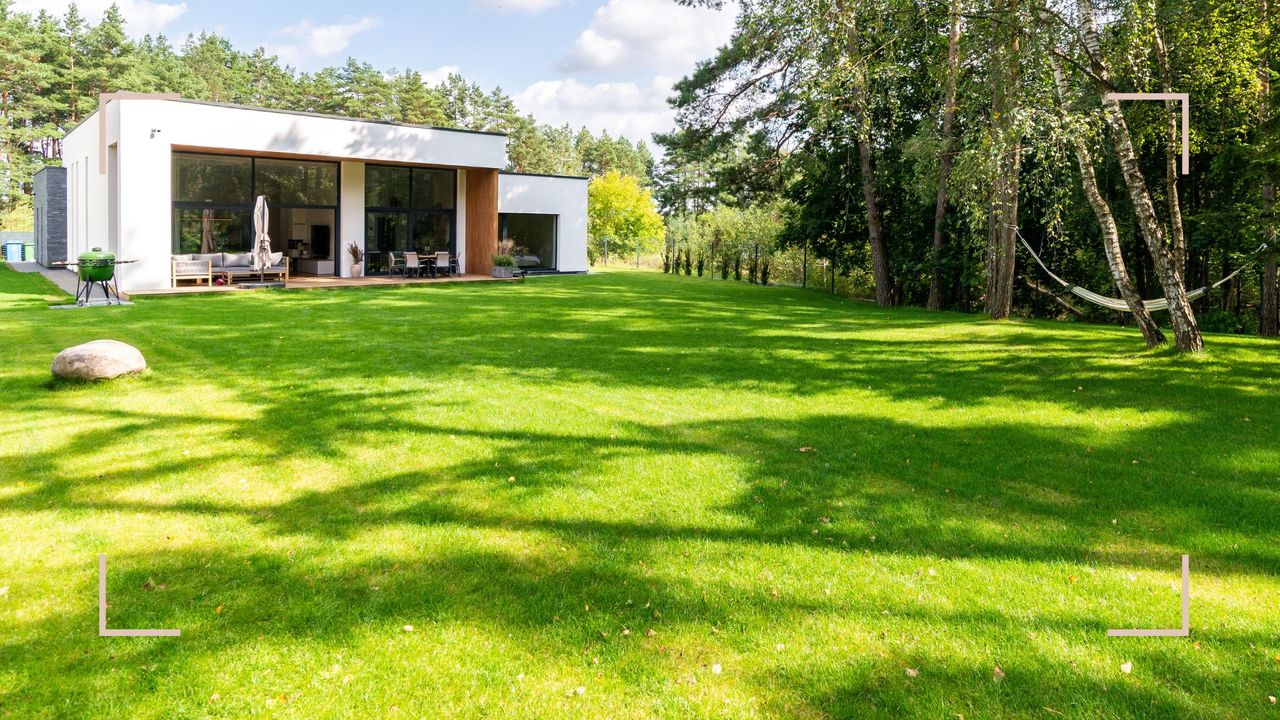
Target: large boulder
(98, 360)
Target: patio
(66, 280)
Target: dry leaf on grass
(407, 628)
(1126, 668)
(912, 672)
(998, 674)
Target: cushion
(237, 259)
(181, 257)
(277, 259)
(215, 259)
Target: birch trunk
(1107, 222)
(948, 157)
(1186, 332)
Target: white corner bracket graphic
(1185, 630)
(103, 630)
(1183, 98)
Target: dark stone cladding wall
(51, 215)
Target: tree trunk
(1270, 320)
(948, 157)
(1186, 332)
(1107, 222)
(862, 121)
(1002, 218)
(1270, 326)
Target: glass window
(208, 230)
(432, 233)
(433, 189)
(212, 179)
(385, 232)
(294, 182)
(534, 237)
(386, 187)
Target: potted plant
(504, 266)
(357, 260)
(504, 262)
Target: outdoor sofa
(229, 266)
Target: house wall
(145, 132)
(548, 195)
(50, 210)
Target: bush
(688, 263)
(724, 269)
(701, 262)
(737, 268)
(1221, 321)
(504, 261)
(764, 273)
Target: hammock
(1118, 304)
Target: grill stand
(84, 292)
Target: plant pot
(357, 270)
(500, 271)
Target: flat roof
(545, 175)
(303, 113)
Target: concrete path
(62, 277)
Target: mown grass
(588, 494)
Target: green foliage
(621, 210)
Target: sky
(604, 64)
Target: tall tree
(946, 156)
(1106, 221)
(1165, 255)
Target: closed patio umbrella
(206, 232)
(261, 241)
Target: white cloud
(142, 17)
(308, 42)
(505, 6)
(440, 74)
(624, 109)
(657, 34)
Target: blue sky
(606, 64)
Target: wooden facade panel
(482, 220)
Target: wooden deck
(312, 282)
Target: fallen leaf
(651, 632)
(781, 647)
(1272, 699)
(997, 675)
(579, 690)
(716, 669)
(626, 632)
(407, 628)
(807, 450)
(1126, 668)
(912, 672)
(214, 697)
(217, 610)
(4, 590)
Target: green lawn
(630, 495)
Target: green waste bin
(29, 252)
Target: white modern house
(150, 177)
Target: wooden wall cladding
(482, 220)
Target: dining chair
(443, 263)
(411, 264)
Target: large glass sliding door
(213, 198)
(407, 209)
